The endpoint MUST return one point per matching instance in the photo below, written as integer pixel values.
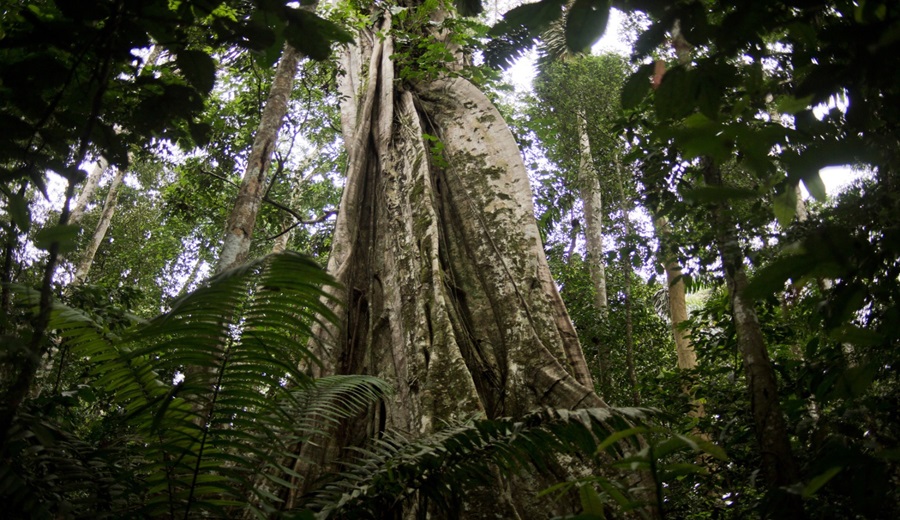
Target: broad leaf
(313, 35)
(636, 87)
(586, 23)
(677, 94)
(815, 186)
(785, 206)
(198, 68)
(17, 207)
(591, 502)
(63, 235)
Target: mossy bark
(446, 291)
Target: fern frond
(393, 469)
(215, 389)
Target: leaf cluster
(210, 401)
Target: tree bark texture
(778, 465)
(109, 209)
(446, 291)
(87, 191)
(592, 203)
(686, 357)
(242, 219)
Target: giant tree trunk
(446, 292)
(242, 219)
(778, 465)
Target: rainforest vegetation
(268, 259)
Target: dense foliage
(145, 391)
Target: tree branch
(220, 177)
(325, 216)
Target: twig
(325, 216)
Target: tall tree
(573, 116)
(242, 219)
(445, 290)
(86, 195)
(84, 264)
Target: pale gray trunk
(51, 360)
(242, 219)
(445, 290)
(109, 209)
(591, 200)
(87, 192)
(686, 357)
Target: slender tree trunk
(242, 219)
(109, 209)
(87, 191)
(625, 206)
(686, 357)
(82, 269)
(6, 277)
(19, 379)
(778, 465)
(445, 290)
(573, 238)
(591, 199)
(93, 180)
(592, 205)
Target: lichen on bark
(445, 289)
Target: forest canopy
(288, 260)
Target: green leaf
(591, 502)
(636, 87)
(611, 490)
(677, 94)
(709, 99)
(680, 469)
(815, 186)
(586, 23)
(857, 336)
(619, 435)
(199, 69)
(715, 194)
(313, 35)
(468, 7)
(63, 235)
(788, 104)
(818, 481)
(785, 207)
(534, 17)
(17, 207)
(200, 132)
